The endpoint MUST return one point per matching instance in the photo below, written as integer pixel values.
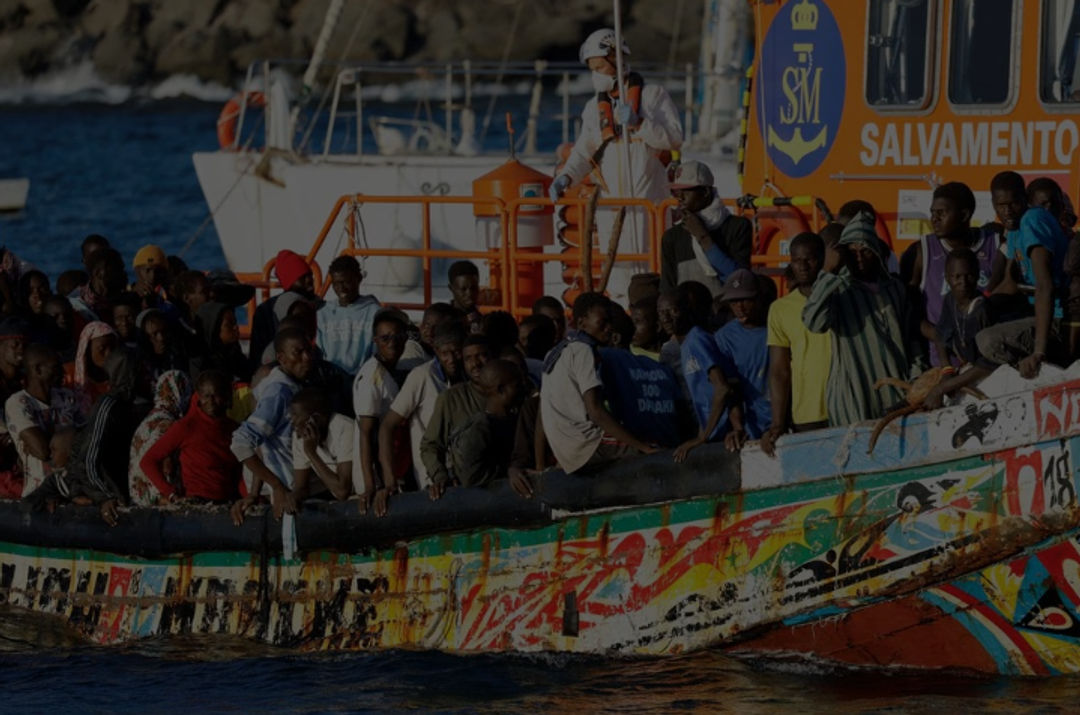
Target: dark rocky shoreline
(138, 42)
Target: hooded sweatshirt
(208, 468)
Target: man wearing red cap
(298, 283)
(708, 243)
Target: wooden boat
(955, 545)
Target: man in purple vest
(950, 215)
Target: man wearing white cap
(708, 243)
(646, 118)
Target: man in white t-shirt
(374, 389)
(583, 435)
(416, 401)
(322, 446)
(38, 413)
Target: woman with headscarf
(217, 326)
(96, 342)
(171, 396)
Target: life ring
(776, 223)
(230, 115)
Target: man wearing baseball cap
(707, 243)
(151, 272)
(744, 354)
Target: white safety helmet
(600, 44)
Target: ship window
(1058, 80)
(980, 52)
(898, 53)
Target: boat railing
(508, 260)
(455, 102)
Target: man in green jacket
(453, 409)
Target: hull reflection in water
(953, 546)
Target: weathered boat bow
(954, 545)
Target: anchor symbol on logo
(796, 148)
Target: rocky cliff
(135, 42)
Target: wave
(81, 84)
(75, 84)
(188, 86)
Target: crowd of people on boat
(118, 391)
(136, 388)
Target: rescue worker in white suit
(651, 121)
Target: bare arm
(1044, 310)
(368, 430)
(540, 444)
(337, 480)
(779, 397)
(720, 392)
(36, 443)
(930, 332)
(997, 271)
(390, 422)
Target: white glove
(626, 116)
(559, 187)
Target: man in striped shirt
(869, 316)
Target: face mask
(603, 82)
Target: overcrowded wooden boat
(954, 545)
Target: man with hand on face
(866, 309)
(709, 243)
(453, 408)
(151, 272)
(416, 402)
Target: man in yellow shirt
(798, 358)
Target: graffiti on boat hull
(657, 579)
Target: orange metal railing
(502, 261)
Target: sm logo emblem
(800, 86)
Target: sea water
(126, 172)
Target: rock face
(141, 41)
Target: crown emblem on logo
(804, 16)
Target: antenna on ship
(510, 133)
(626, 172)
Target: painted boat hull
(920, 556)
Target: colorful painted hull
(965, 556)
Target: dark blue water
(237, 677)
(126, 172)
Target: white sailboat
(280, 195)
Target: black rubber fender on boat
(338, 526)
